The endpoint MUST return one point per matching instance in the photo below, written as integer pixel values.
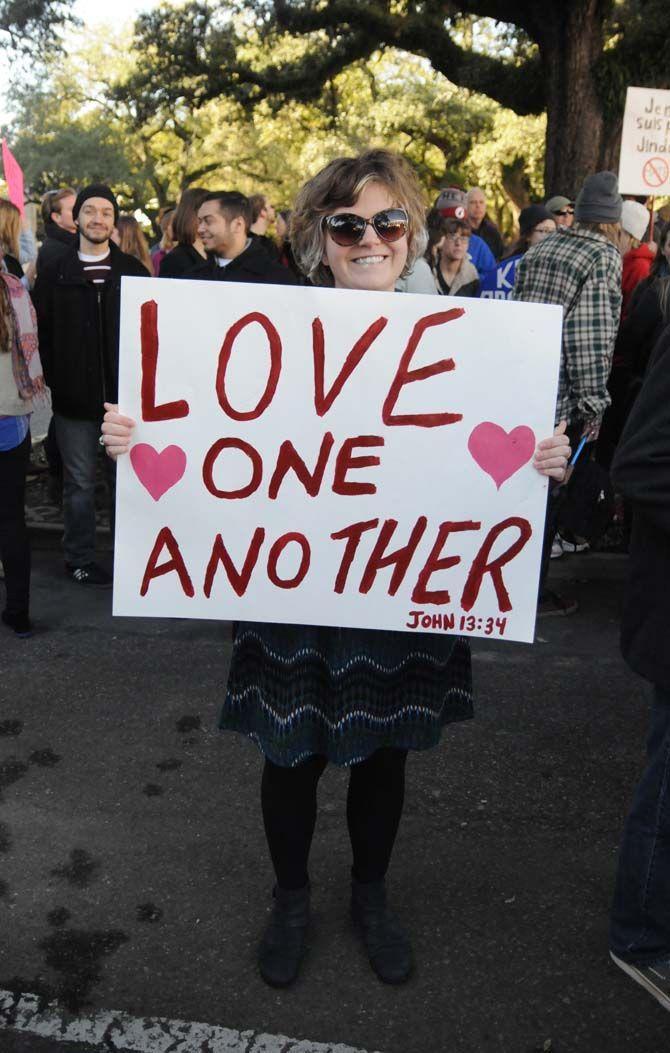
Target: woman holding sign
(359, 698)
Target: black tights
(374, 806)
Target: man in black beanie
(579, 268)
(77, 298)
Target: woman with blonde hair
(359, 698)
(10, 232)
(20, 380)
(130, 239)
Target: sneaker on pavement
(556, 548)
(554, 605)
(576, 545)
(91, 574)
(654, 978)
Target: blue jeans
(79, 449)
(640, 921)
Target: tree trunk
(516, 183)
(611, 145)
(571, 40)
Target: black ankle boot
(20, 623)
(388, 946)
(283, 944)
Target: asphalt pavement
(134, 877)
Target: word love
(323, 400)
(367, 535)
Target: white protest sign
(644, 165)
(327, 457)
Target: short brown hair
(339, 184)
(232, 203)
(453, 225)
(185, 219)
(257, 202)
(51, 202)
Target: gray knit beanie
(599, 199)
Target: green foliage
(508, 165)
(528, 57)
(32, 27)
(76, 126)
(636, 52)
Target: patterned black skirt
(299, 690)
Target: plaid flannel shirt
(580, 271)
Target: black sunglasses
(565, 212)
(346, 228)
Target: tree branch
(198, 173)
(422, 33)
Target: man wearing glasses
(562, 209)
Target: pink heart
(158, 472)
(498, 453)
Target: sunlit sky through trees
(91, 13)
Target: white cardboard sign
(327, 457)
(644, 165)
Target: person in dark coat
(60, 234)
(78, 302)
(224, 219)
(189, 251)
(647, 316)
(263, 214)
(480, 223)
(638, 335)
(535, 224)
(640, 921)
(60, 230)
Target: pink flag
(13, 176)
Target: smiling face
(226, 237)
(96, 220)
(565, 217)
(373, 265)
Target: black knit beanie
(530, 216)
(95, 190)
(599, 200)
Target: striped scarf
(27, 368)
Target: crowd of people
(373, 696)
